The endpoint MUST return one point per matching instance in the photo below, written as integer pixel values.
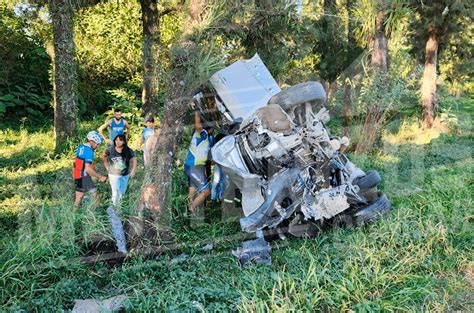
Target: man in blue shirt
(195, 165)
(118, 126)
(84, 168)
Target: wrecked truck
(292, 173)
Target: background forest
(398, 74)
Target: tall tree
(428, 86)
(437, 21)
(151, 44)
(374, 27)
(376, 20)
(155, 194)
(64, 72)
(351, 67)
(379, 53)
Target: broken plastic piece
(113, 304)
(256, 251)
(208, 247)
(117, 230)
(178, 259)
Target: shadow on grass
(27, 157)
(34, 186)
(30, 126)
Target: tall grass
(417, 258)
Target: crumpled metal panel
(245, 86)
(226, 153)
(279, 188)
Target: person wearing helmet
(84, 168)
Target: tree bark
(428, 87)
(374, 114)
(156, 194)
(64, 72)
(151, 46)
(380, 44)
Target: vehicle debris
(207, 247)
(256, 251)
(291, 171)
(117, 230)
(113, 304)
(178, 259)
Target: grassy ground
(419, 257)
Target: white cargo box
(245, 86)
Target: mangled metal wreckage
(291, 172)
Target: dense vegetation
(419, 257)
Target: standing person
(118, 126)
(84, 168)
(147, 133)
(195, 165)
(117, 159)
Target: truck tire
(298, 94)
(371, 179)
(373, 211)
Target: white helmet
(94, 136)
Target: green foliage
(109, 51)
(445, 18)
(203, 64)
(330, 41)
(108, 41)
(26, 102)
(24, 81)
(365, 13)
(456, 63)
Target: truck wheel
(371, 179)
(373, 211)
(298, 94)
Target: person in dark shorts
(84, 168)
(117, 159)
(195, 165)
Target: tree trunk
(64, 76)
(428, 87)
(374, 114)
(151, 45)
(156, 194)
(380, 44)
(350, 70)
